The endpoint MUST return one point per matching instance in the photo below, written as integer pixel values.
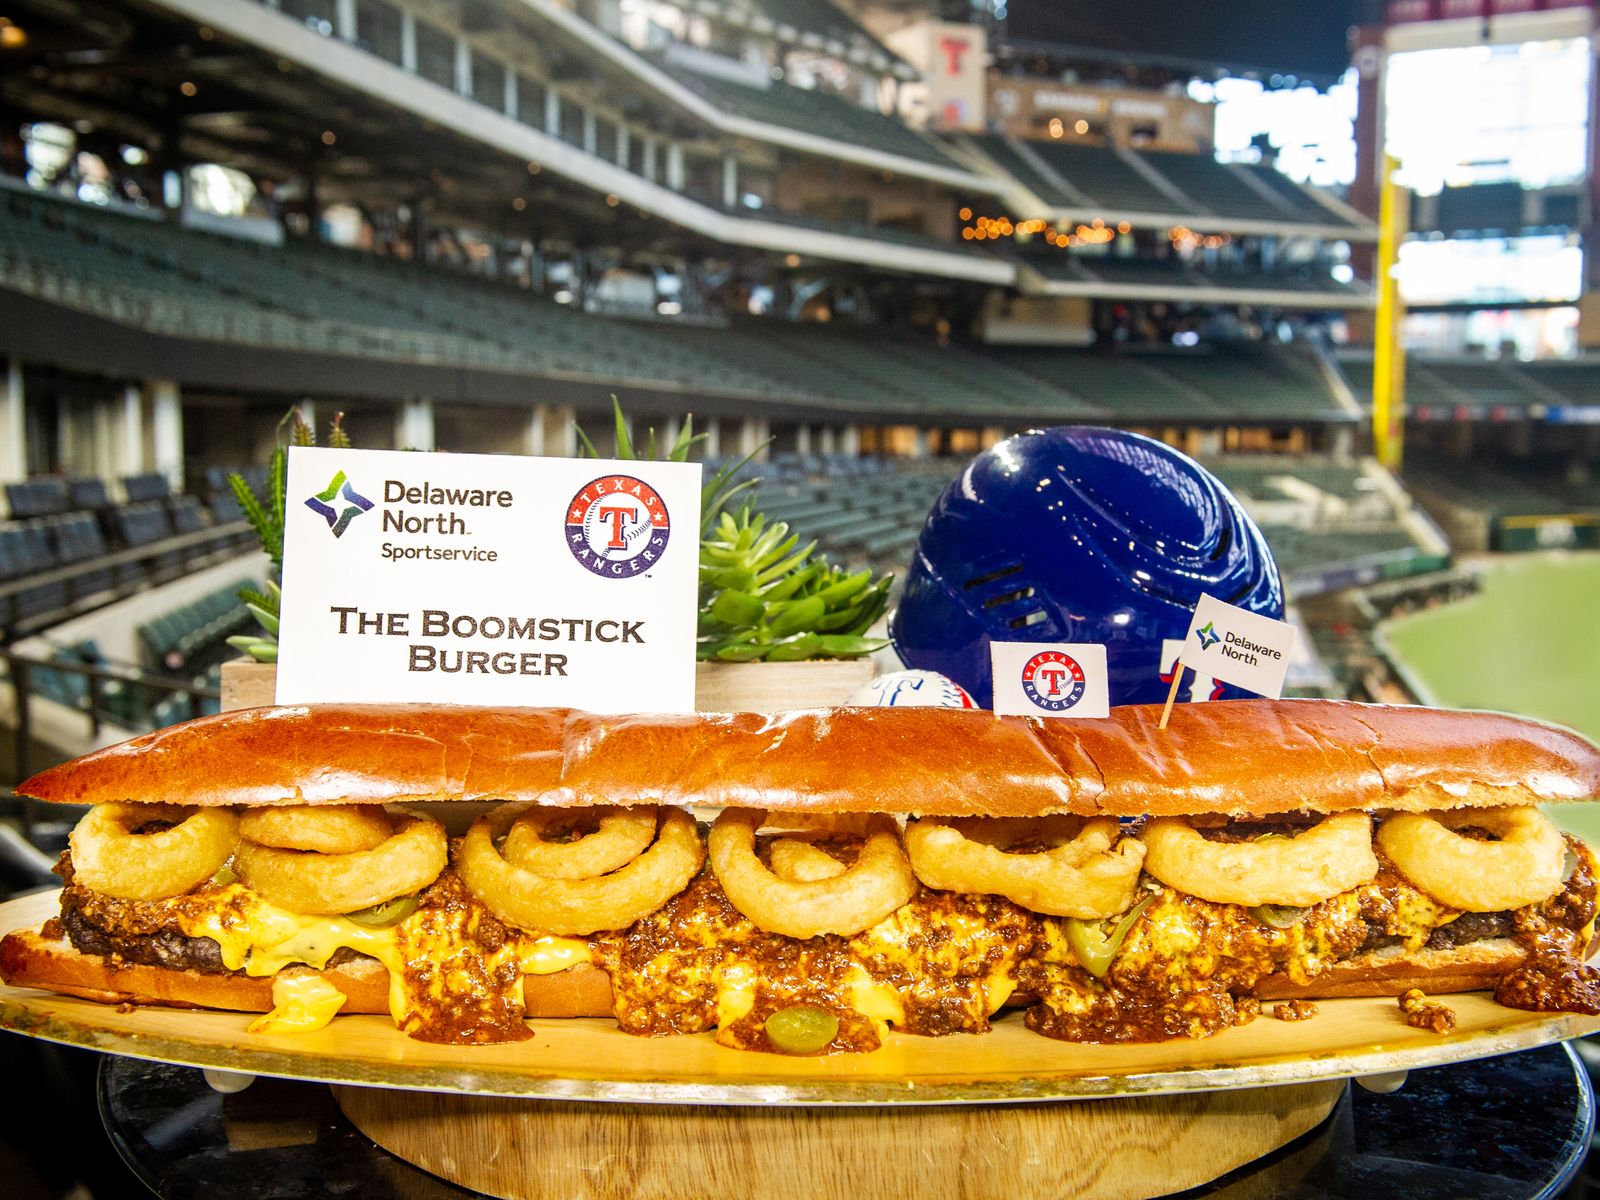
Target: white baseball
(912, 689)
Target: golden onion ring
(1332, 856)
(623, 835)
(877, 883)
(572, 907)
(798, 861)
(324, 828)
(110, 858)
(322, 884)
(1523, 867)
(1091, 875)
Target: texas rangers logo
(354, 504)
(1207, 635)
(617, 526)
(1053, 680)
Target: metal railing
(21, 667)
(87, 586)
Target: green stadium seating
(1483, 387)
(1106, 178)
(193, 637)
(306, 296)
(1299, 200)
(1003, 152)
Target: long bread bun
(1245, 757)
(28, 959)
(1473, 967)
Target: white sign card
(489, 579)
(1239, 647)
(1050, 679)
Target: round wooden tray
(686, 1117)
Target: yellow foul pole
(1389, 352)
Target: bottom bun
(29, 960)
(1474, 967)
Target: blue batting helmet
(1078, 534)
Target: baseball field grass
(1528, 643)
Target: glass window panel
(317, 14)
(571, 121)
(605, 139)
(436, 55)
(530, 102)
(1490, 114)
(1491, 270)
(378, 28)
(488, 82)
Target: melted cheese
(873, 999)
(1418, 915)
(300, 1003)
(262, 939)
(736, 991)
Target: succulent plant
(762, 595)
(763, 599)
(266, 517)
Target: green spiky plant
(266, 517)
(763, 596)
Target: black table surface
(1510, 1127)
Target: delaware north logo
(1207, 635)
(617, 526)
(1053, 680)
(338, 489)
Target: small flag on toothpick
(1050, 679)
(1235, 646)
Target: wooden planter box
(719, 687)
(248, 684)
(773, 687)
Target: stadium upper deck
(527, 116)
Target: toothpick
(1172, 693)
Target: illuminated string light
(1095, 233)
(1184, 238)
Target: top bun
(1238, 758)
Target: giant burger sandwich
(801, 882)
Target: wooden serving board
(1126, 1149)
